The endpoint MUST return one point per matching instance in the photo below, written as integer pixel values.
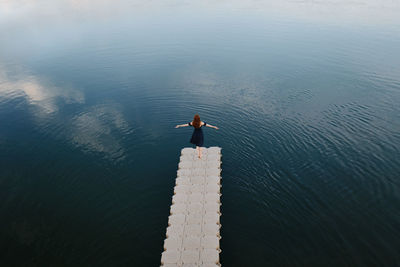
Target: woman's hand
(177, 126)
(216, 128)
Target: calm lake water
(306, 95)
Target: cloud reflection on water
(37, 92)
(94, 129)
(97, 130)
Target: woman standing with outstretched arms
(197, 136)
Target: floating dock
(192, 237)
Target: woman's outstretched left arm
(211, 126)
(181, 125)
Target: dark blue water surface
(306, 96)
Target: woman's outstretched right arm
(181, 125)
(212, 126)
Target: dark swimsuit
(197, 136)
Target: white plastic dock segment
(192, 237)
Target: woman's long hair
(196, 121)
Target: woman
(197, 136)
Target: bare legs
(199, 150)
